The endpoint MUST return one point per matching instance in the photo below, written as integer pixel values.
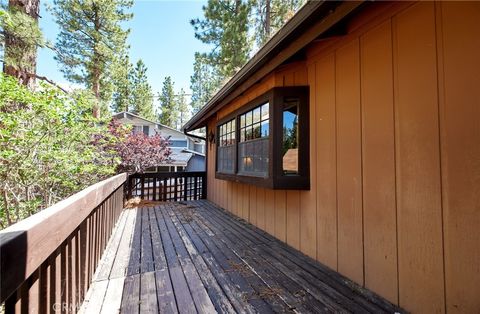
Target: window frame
(235, 145)
(275, 178)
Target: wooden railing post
(185, 188)
(142, 187)
(204, 185)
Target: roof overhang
(312, 21)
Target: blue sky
(161, 35)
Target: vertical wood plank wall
(394, 202)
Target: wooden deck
(193, 257)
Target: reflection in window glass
(290, 140)
(265, 113)
(253, 146)
(226, 147)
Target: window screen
(226, 147)
(253, 146)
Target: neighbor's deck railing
(168, 186)
(48, 259)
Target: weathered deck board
(193, 257)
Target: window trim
(275, 178)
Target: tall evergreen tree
(203, 83)
(225, 26)
(21, 37)
(122, 78)
(271, 15)
(90, 36)
(168, 106)
(183, 109)
(142, 95)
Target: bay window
(266, 142)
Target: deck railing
(48, 259)
(168, 186)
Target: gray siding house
(188, 153)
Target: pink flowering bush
(138, 151)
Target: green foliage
(290, 136)
(122, 79)
(132, 92)
(225, 26)
(90, 36)
(19, 39)
(142, 95)
(183, 110)
(203, 83)
(231, 26)
(168, 106)
(46, 148)
(270, 16)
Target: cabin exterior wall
(394, 156)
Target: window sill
(288, 182)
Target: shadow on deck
(192, 257)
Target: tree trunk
(96, 91)
(267, 19)
(25, 69)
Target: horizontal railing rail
(48, 259)
(168, 186)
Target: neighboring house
(380, 178)
(188, 153)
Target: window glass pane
(242, 120)
(265, 113)
(290, 140)
(256, 115)
(242, 135)
(248, 133)
(253, 158)
(256, 123)
(225, 132)
(264, 129)
(162, 169)
(256, 131)
(233, 125)
(248, 119)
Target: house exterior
(353, 136)
(188, 153)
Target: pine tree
(142, 95)
(21, 37)
(225, 26)
(122, 78)
(203, 83)
(271, 15)
(90, 36)
(183, 109)
(168, 106)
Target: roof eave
(330, 13)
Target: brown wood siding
(394, 156)
(420, 261)
(378, 161)
(325, 159)
(458, 44)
